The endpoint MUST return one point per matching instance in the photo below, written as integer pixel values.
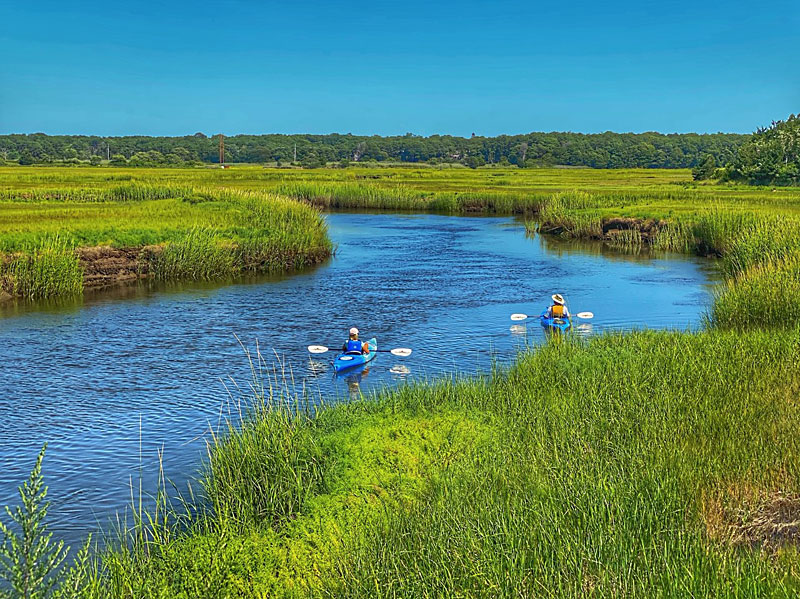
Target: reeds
(50, 268)
(765, 295)
(197, 256)
(589, 477)
(206, 233)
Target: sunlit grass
(625, 465)
(625, 469)
(202, 233)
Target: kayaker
(353, 345)
(558, 309)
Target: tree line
(771, 156)
(602, 150)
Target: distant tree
(140, 159)
(474, 161)
(771, 156)
(26, 158)
(604, 150)
(95, 160)
(312, 161)
(704, 170)
(182, 153)
(118, 160)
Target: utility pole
(221, 150)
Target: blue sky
(178, 67)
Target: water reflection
(519, 330)
(317, 367)
(353, 378)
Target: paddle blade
(585, 315)
(400, 351)
(317, 349)
(519, 316)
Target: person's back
(558, 309)
(353, 345)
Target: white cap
(354, 331)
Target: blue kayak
(554, 324)
(352, 359)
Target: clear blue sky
(174, 68)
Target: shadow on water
(84, 374)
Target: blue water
(114, 378)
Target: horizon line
(350, 134)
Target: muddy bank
(104, 265)
(611, 229)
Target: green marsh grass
(46, 269)
(197, 256)
(203, 233)
(762, 241)
(766, 295)
(625, 465)
(621, 465)
(674, 237)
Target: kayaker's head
(354, 333)
(558, 299)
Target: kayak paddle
(398, 351)
(584, 315)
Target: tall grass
(197, 256)
(50, 268)
(565, 214)
(206, 233)
(674, 237)
(132, 192)
(764, 240)
(363, 195)
(607, 479)
(765, 295)
(356, 195)
(626, 470)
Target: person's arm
(344, 347)
(365, 348)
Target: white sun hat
(558, 299)
(354, 331)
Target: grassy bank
(759, 249)
(651, 464)
(630, 209)
(648, 464)
(166, 231)
(504, 190)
